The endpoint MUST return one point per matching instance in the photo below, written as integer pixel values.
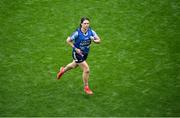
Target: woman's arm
(69, 41)
(96, 39)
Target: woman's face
(85, 24)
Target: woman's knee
(86, 70)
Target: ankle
(86, 85)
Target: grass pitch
(134, 71)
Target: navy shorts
(79, 58)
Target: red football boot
(60, 73)
(87, 90)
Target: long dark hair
(83, 19)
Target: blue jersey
(81, 40)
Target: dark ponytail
(83, 19)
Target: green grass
(134, 71)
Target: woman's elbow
(98, 41)
(68, 40)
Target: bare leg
(65, 69)
(70, 66)
(85, 69)
(85, 76)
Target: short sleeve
(94, 33)
(74, 35)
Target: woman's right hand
(79, 51)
